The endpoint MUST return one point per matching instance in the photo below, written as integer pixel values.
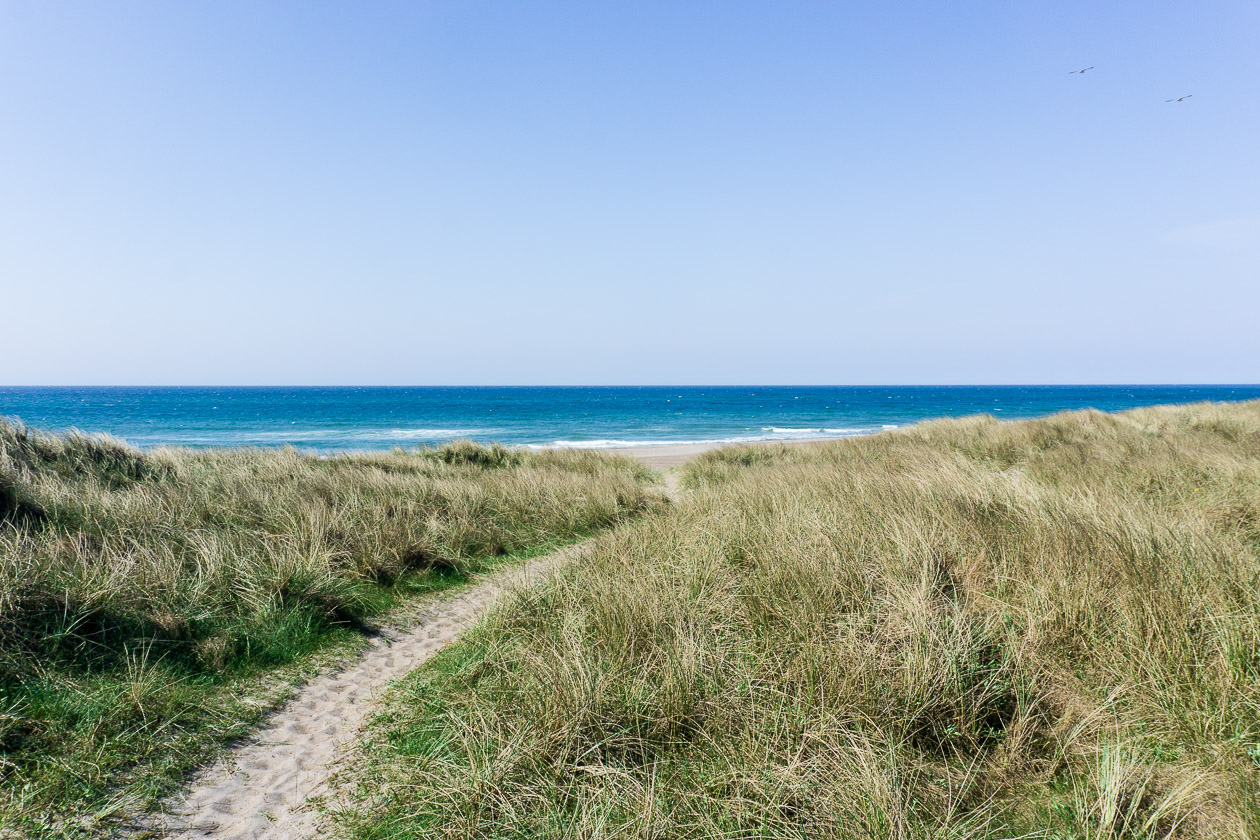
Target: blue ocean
(326, 419)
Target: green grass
(154, 604)
(965, 629)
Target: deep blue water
(327, 419)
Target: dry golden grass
(142, 594)
(961, 629)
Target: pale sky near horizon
(627, 193)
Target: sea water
(325, 419)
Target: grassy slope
(961, 629)
(152, 604)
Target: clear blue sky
(467, 192)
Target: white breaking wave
(432, 433)
(775, 434)
(819, 431)
(339, 438)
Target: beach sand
(664, 457)
(675, 455)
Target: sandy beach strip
(676, 454)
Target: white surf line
(260, 788)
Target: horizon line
(692, 385)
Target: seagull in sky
(1082, 70)
(1180, 98)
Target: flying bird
(1082, 70)
(1180, 98)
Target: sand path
(260, 789)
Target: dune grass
(963, 629)
(152, 604)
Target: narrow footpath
(261, 788)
